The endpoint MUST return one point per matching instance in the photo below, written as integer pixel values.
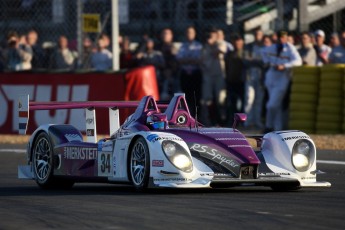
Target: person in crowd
(189, 58)
(337, 55)
(106, 41)
(142, 43)
(213, 77)
(322, 50)
(334, 40)
(126, 55)
(235, 77)
(312, 38)
(221, 39)
(254, 89)
(169, 73)
(62, 57)
(291, 39)
(266, 42)
(37, 61)
(307, 51)
(151, 56)
(280, 59)
(18, 54)
(274, 37)
(101, 60)
(88, 50)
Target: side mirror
(239, 117)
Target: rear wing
(25, 106)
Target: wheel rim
(42, 159)
(138, 162)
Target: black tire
(42, 161)
(43, 164)
(139, 164)
(285, 188)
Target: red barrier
(141, 82)
(70, 87)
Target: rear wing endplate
(23, 112)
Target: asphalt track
(97, 206)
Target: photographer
(18, 54)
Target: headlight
(169, 148)
(303, 155)
(177, 155)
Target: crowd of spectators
(218, 76)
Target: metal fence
(52, 18)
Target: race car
(163, 146)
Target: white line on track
(331, 162)
(12, 150)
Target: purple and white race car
(155, 149)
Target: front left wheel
(139, 164)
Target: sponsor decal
(274, 174)
(157, 163)
(23, 114)
(173, 179)
(223, 175)
(151, 137)
(104, 164)
(90, 132)
(309, 178)
(215, 155)
(89, 121)
(295, 137)
(22, 125)
(73, 137)
(80, 153)
(154, 137)
(207, 174)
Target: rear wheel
(140, 164)
(43, 164)
(42, 161)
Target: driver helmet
(157, 121)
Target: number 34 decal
(104, 164)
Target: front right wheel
(140, 164)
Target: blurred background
(73, 41)
(52, 18)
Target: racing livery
(162, 145)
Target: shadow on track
(126, 190)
